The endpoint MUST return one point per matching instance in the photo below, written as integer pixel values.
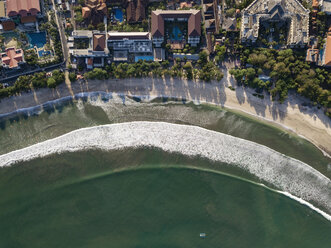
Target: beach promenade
(293, 114)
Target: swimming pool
(119, 15)
(42, 53)
(176, 34)
(37, 39)
(147, 58)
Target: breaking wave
(287, 174)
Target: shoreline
(307, 122)
(285, 173)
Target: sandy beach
(308, 122)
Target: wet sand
(308, 122)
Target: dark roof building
(211, 15)
(192, 17)
(135, 11)
(230, 24)
(8, 25)
(94, 11)
(99, 42)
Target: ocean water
(146, 198)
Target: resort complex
(130, 46)
(88, 48)
(176, 27)
(188, 39)
(270, 17)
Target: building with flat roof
(95, 52)
(161, 31)
(12, 58)
(326, 6)
(289, 12)
(130, 45)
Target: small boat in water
(202, 235)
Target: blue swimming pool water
(119, 15)
(176, 33)
(43, 53)
(37, 39)
(147, 58)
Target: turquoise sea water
(146, 198)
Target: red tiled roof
(22, 7)
(28, 19)
(194, 21)
(327, 61)
(185, 5)
(102, 8)
(8, 25)
(99, 42)
(86, 12)
(157, 25)
(97, 11)
(315, 4)
(12, 57)
(194, 24)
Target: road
(46, 69)
(59, 22)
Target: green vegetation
(72, 77)
(220, 53)
(204, 70)
(28, 82)
(230, 12)
(53, 32)
(31, 57)
(125, 27)
(287, 70)
(78, 14)
(238, 4)
(101, 27)
(81, 43)
(208, 70)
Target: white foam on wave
(303, 202)
(285, 173)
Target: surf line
(285, 173)
(94, 95)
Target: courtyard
(274, 33)
(176, 34)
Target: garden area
(81, 43)
(29, 82)
(203, 70)
(286, 70)
(273, 34)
